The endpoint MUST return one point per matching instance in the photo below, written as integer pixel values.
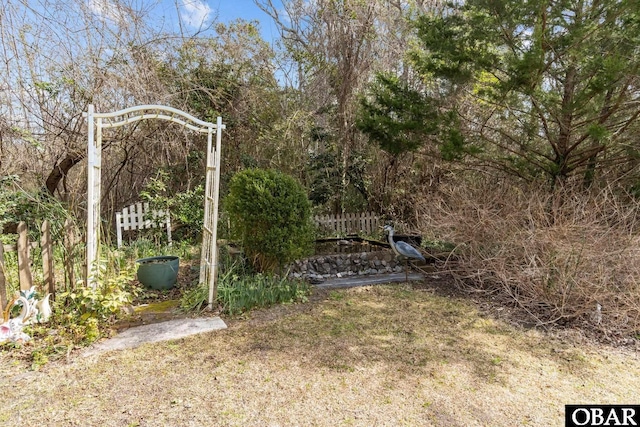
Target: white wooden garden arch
(99, 121)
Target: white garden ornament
(34, 309)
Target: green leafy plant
(241, 289)
(325, 176)
(186, 207)
(241, 294)
(395, 116)
(196, 298)
(83, 310)
(271, 216)
(7, 199)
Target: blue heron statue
(403, 250)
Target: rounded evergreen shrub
(270, 215)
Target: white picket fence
(139, 217)
(349, 223)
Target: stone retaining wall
(320, 267)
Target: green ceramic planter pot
(158, 272)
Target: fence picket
(126, 219)
(25, 277)
(69, 242)
(3, 280)
(139, 216)
(23, 248)
(349, 223)
(147, 220)
(47, 259)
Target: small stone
(316, 279)
(128, 309)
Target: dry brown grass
(386, 356)
(556, 256)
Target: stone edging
(321, 267)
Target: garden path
(154, 332)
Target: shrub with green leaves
(186, 207)
(270, 215)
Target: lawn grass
(384, 355)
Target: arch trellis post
(99, 121)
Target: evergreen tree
(535, 88)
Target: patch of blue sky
(194, 15)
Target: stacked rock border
(321, 267)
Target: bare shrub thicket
(564, 257)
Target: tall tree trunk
(61, 170)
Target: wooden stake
(47, 259)
(24, 269)
(69, 243)
(3, 282)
